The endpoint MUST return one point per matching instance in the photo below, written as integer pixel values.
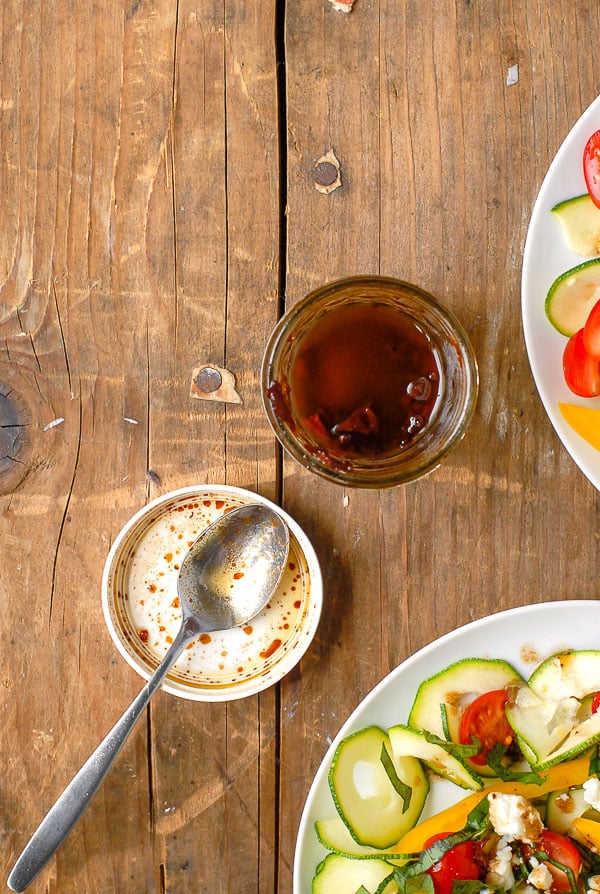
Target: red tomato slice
(591, 167)
(596, 703)
(591, 332)
(581, 370)
(562, 850)
(485, 719)
(457, 864)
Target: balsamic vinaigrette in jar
(364, 381)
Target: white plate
(522, 636)
(545, 257)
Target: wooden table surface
(159, 210)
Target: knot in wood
(209, 379)
(12, 431)
(325, 173)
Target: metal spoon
(226, 578)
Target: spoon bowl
(233, 568)
(227, 577)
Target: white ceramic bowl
(141, 608)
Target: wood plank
(214, 766)
(441, 162)
(147, 253)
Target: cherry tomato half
(591, 167)
(591, 332)
(581, 370)
(562, 850)
(457, 864)
(485, 719)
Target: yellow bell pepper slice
(453, 819)
(585, 421)
(589, 831)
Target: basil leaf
(445, 726)
(422, 882)
(454, 748)
(413, 884)
(478, 819)
(495, 763)
(469, 886)
(404, 790)
(595, 762)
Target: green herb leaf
(445, 725)
(595, 762)
(495, 760)
(454, 748)
(478, 821)
(404, 790)
(412, 884)
(470, 886)
(422, 882)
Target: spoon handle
(67, 809)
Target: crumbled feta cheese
(514, 817)
(594, 884)
(591, 792)
(500, 871)
(540, 877)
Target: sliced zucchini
(580, 222)
(580, 739)
(538, 723)
(453, 688)
(570, 674)
(334, 834)
(563, 807)
(552, 715)
(406, 741)
(447, 693)
(364, 795)
(572, 295)
(339, 875)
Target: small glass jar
(369, 382)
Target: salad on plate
(434, 738)
(528, 752)
(560, 279)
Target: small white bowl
(141, 608)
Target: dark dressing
(364, 381)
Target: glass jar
(369, 382)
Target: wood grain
(158, 211)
